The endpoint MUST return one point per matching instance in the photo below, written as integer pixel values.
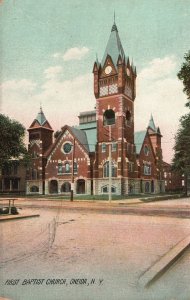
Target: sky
(48, 49)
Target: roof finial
(114, 27)
(41, 107)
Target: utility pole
(72, 174)
(110, 166)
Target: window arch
(75, 167)
(60, 168)
(128, 117)
(106, 170)
(109, 117)
(105, 189)
(34, 189)
(67, 167)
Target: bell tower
(115, 92)
(40, 139)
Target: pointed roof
(114, 47)
(41, 117)
(151, 124)
(40, 121)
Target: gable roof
(139, 137)
(79, 135)
(114, 47)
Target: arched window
(60, 168)
(34, 174)
(109, 117)
(106, 170)
(34, 189)
(75, 167)
(128, 117)
(105, 189)
(67, 168)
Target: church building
(79, 158)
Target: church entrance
(147, 187)
(66, 187)
(81, 186)
(53, 187)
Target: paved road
(65, 244)
(173, 208)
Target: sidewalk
(16, 217)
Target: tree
(11, 140)
(181, 160)
(184, 75)
(182, 145)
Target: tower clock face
(67, 147)
(108, 70)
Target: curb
(17, 217)
(161, 266)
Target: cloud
(56, 55)
(53, 72)
(159, 68)
(23, 86)
(66, 98)
(75, 53)
(62, 100)
(161, 93)
(158, 92)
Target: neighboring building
(13, 177)
(174, 181)
(80, 155)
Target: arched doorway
(152, 186)
(81, 186)
(147, 187)
(53, 187)
(66, 187)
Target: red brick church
(78, 158)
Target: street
(70, 254)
